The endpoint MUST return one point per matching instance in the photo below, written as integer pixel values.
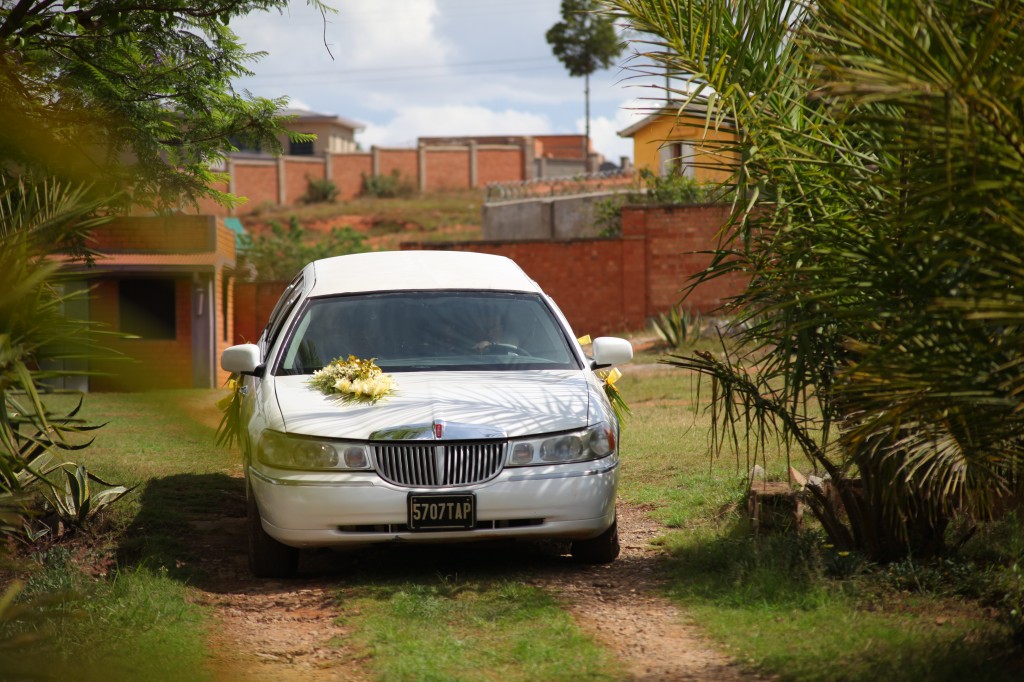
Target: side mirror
(242, 359)
(609, 351)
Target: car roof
(416, 270)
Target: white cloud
(422, 121)
(411, 68)
(604, 131)
(390, 33)
(374, 39)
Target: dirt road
(286, 630)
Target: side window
(280, 314)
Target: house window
(677, 158)
(245, 145)
(300, 148)
(147, 308)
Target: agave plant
(879, 183)
(41, 223)
(78, 501)
(678, 327)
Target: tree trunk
(586, 139)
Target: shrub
(277, 256)
(386, 186)
(679, 327)
(608, 215)
(654, 189)
(320, 191)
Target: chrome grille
(439, 465)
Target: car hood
(517, 403)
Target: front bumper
(318, 509)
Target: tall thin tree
(584, 41)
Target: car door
(255, 388)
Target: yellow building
(678, 139)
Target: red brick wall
(253, 304)
(675, 236)
(224, 283)
(613, 285)
(405, 161)
(297, 175)
(560, 146)
(347, 172)
(498, 165)
(257, 183)
(447, 168)
(603, 286)
(584, 277)
(147, 363)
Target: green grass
(161, 442)
(666, 451)
(789, 605)
(432, 211)
(130, 615)
(773, 603)
(479, 621)
(472, 629)
(135, 624)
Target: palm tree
(881, 223)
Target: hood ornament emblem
(438, 429)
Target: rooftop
(696, 107)
(307, 115)
(416, 270)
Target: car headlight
(286, 451)
(594, 442)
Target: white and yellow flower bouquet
(353, 379)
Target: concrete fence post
(473, 182)
(421, 158)
(528, 169)
(282, 187)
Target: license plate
(442, 512)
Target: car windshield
(429, 331)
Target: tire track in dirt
(287, 630)
(619, 604)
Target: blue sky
(411, 68)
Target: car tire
(600, 550)
(268, 558)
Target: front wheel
(268, 558)
(600, 550)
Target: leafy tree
(881, 222)
(131, 97)
(584, 41)
(278, 256)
